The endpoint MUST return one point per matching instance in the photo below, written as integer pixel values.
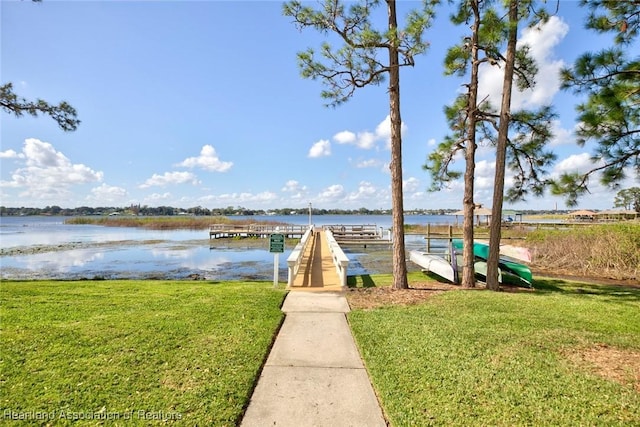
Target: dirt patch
(621, 366)
(418, 292)
(370, 298)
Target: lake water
(89, 251)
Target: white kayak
(434, 264)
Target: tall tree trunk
(468, 270)
(397, 204)
(501, 150)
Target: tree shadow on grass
(609, 292)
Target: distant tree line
(139, 210)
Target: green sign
(276, 243)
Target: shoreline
(377, 261)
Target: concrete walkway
(314, 375)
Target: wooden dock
(318, 271)
(354, 232)
(358, 234)
(344, 234)
(221, 231)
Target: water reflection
(54, 261)
(88, 251)
(137, 262)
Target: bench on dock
(354, 232)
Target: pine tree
(520, 137)
(63, 113)
(357, 64)
(610, 116)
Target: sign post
(276, 246)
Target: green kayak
(481, 250)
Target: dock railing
(449, 235)
(295, 258)
(217, 231)
(340, 260)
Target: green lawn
(133, 351)
(504, 359)
(189, 353)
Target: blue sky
(201, 104)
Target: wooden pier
(343, 234)
(450, 235)
(358, 234)
(221, 231)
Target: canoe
(481, 250)
(480, 268)
(434, 264)
(454, 263)
(516, 253)
(520, 270)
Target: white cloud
(10, 154)
(332, 193)
(575, 163)
(157, 198)
(542, 41)
(383, 130)
(47, 172)
(416, 195)
(484, 174)
(321, 148)
(265, 196)
(365, 191)
(107, 194)
(231, 199)
(600, 196)
(293, 186)
(207, 160)
(345, 137)
(561, 136)
(371, 163)
(410, 185)
(367, 139)
(170, 178)
(294, 190)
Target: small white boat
(434, 264)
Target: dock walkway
(317, 270)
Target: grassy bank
(608, 250)
(160, 222)
(566, 354)
(132, 350)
